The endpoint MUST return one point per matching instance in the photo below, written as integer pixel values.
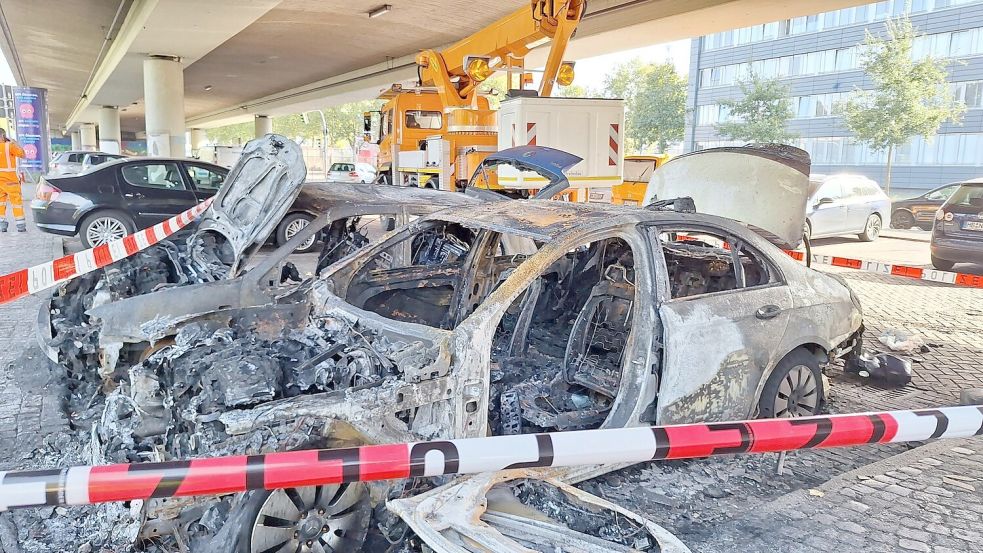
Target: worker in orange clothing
(10, 182)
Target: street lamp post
(324, 138)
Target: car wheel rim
(798, 394)
(296, 226)
(874, 226)
(105, 229)
(312, 520)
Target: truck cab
(403, 124)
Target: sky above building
(591, 71)
(6, 75)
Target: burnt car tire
(313, 519)
(104, 226)
(872, 229)
(794, 389)
(942, 264)
(291, 225)
(902, 220)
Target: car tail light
(46, 192)
(948, 216)
(352, 174)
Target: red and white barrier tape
(222, 475)
(47, 275)
(894, 269)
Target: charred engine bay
(555, 366)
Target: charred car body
(494, 317)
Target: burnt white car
(489, 317)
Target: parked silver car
(351, 172)
(74, 161)
(846, 204)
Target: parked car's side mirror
(824, 201)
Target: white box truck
(590, 128)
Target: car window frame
(184, 179)
(954, 187)
(194, 185)
(836, 183)
(652, 230)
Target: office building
(819, 58)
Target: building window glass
(828, 20)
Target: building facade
(818, 57)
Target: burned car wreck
(481, 318)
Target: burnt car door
(154, 190)
(726, 312)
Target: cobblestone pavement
(27, 411)
(927, 500)
(695, 499)
(949, 319)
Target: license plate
(973, 225)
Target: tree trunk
(887, 177)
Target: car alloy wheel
(317, 519)
(797, 394)
(296, 226)
(872, 230)
(104, 230)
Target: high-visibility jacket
(9, 152)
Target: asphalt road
(905, 247)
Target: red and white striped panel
(894, 269)
(47, 275)
(530, 134)
(221, 475)
(614, 144)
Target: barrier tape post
(222, 475)
(41, 277)
(893, 269)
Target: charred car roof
(544, 220)
(318, 197)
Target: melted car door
(726, 314)
(256, 194)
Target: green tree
(344, 123)
(625, 82)
(910, 97)
(230, 135)
(761, 113)
(570, 91)
(655, 103)
(659, 111)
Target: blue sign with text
(31, 113)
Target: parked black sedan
(117, 198)
(920, 211)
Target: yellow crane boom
(457, 70)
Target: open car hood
(764, 186)
(257, 193)
(549, 163)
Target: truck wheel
(794, 389)
(102, 227)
